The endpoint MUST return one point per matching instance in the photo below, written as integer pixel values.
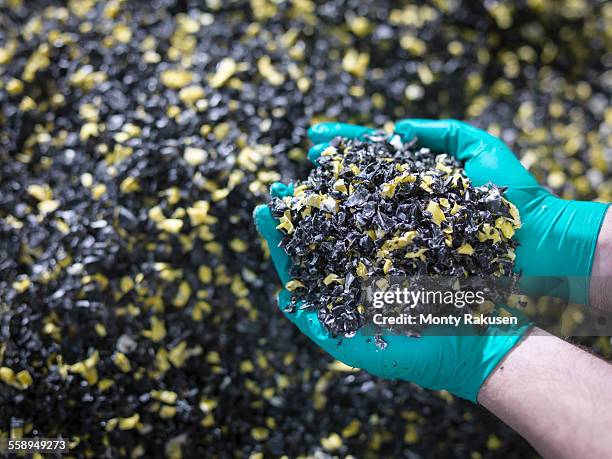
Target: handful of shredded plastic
(383, 208)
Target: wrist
(550, 392)
(601, 276)
(487, 352)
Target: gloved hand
(438, 360)
(557, 238)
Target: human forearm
(601, 277)
(555, 395)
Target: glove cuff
(569, 238)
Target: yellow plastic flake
(269, 72)
(176, 78)
(7, 375)
(86, 368)
(206, 404)
(489, 233)
(40, 192)
(14, 86)
(436, 213)
(38, 60)
(260, 433)
(191, 94)
(298, 191)
(411, 435)
(22, 284)
(183, 294)
(465, 249)
(332, 443)
(105, 384)
(129, 185)
(225, 70)
(417, 254)
(399, 242)
(355, 62)
(156, 214)
(505, 226)
(337, 168)
(121, 361)
(515, 215)
(89, 130)
(6, 53)
(314, 200)
(441, 166)
(362, 270)
(122, 33)
(218, 195)
(329, 151)
(167, 412)
(111, 424)
(24, 379)
(89, 113)
(455, 181)
(205, 274)
(293, 285)
(238, 245)
(426, 182)
(285, 222)
(48, 205)
(246, 366)
(27, 104)
(157, 331)
(456, 208)
(100, 329)
(171, 225)
(329, 204)
(198, 214)
(178, 354)
(98, 191)
(332, 278)
(195, 156)
(351, 429)
(360, 26)
(388, 189)
(339, 185)
(129, 423)
(387, 266)
(165, 396)
(493, 442)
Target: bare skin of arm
(601, 278)
(555, 395)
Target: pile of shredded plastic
(383, 208)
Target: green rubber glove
(459, 364)
(557, 238)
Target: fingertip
(325, 132)
(438, 135)
(280, 190)
(315, 152)
(265, 223)
(320, 132)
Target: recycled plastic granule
(372, 209)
